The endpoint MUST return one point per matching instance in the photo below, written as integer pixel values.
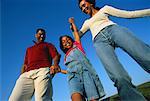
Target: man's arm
(56, 59)
(55, 68)
(23, 68)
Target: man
(36, 77)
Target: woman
(107, 35)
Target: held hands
(55, 69)
(74, 29)
(71, 21)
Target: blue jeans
(105, 43)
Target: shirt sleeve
(52, 50)
(84, 29)
(125, 14)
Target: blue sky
(20, 19)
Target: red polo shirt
(40, 55)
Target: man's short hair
(41, 29)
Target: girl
(107, 35)
(82, 79)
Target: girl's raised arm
(74, 29)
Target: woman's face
(66, 42)
(86, 7)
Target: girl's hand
(71, 20)
(64, 71)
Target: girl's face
(86, 7)
(66, 42)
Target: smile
(67, 44)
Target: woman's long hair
(61, 45)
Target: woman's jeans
(105, 43)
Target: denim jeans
(36, 82)
(105, 43)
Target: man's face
(40, 36)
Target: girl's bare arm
(74, 29)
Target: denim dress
(82, 78)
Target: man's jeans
(105, 43)
(36, 82)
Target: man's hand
(55, 69)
